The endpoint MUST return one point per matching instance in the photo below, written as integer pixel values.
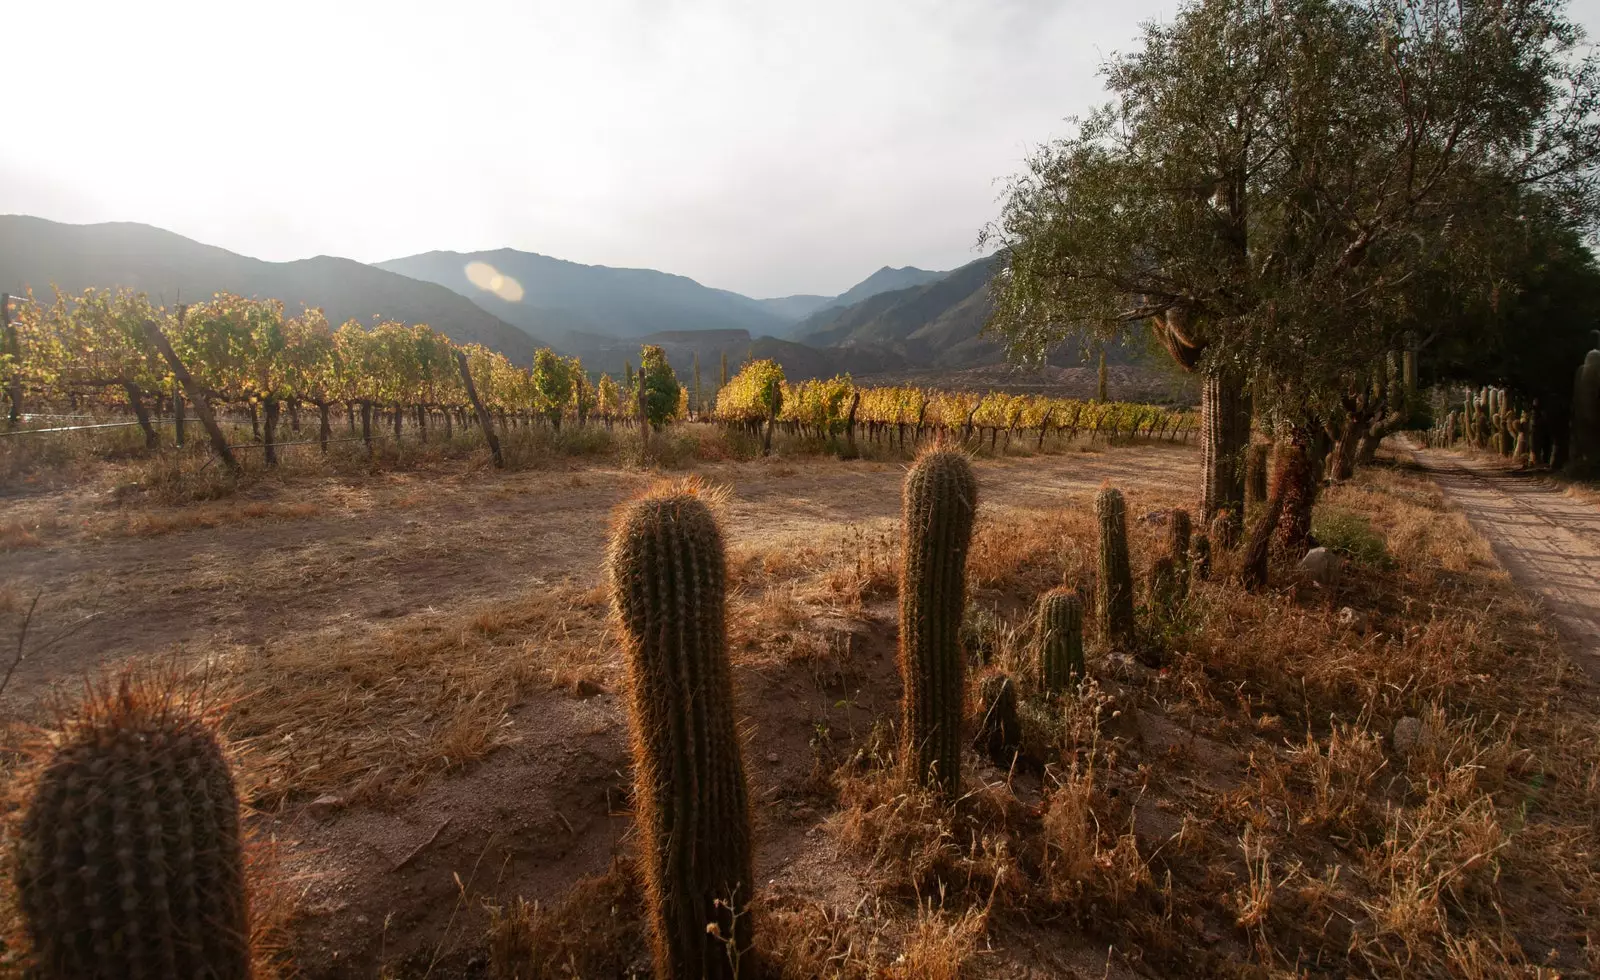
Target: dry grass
(594, 932)
(1466, 851)
(1247, 810)
(375, 715)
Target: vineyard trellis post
(484, 422)
(202, 408)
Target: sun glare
(488, 278)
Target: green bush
(1352, 536)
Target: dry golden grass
(1466, 852)
(1245, 811)
(208, 515)
(375, 714)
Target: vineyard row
(116, 348)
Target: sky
(760, 147)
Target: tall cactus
(1113, 603)
(1058, 631)
(129, 862)
(939, 502)
(668, 579)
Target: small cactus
(129, 861)
(999, 730)
(1114, 588)
(668, 579)
(1059, 633)
(1179, 532)
(1199, 559)
(939, 502)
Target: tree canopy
(1282, 188)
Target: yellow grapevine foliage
(245, 351)
(824, 407)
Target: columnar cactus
(1114, 588)
(668, 578)
(129, 862)
(939, 501)
(999, 728)
(1058, 631)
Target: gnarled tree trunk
(1225, 435)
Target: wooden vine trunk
(484, 422)
(202, 409)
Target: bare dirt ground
(309, 569)
(307, 556)
(1548, 539)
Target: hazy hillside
(935, 324)
(39, 253)
(883, 281)
(798, 307)
(560, 295)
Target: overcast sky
(761, 147)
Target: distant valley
(896, 322)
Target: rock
(325, 807)
(1407, 735)
(1320, 566)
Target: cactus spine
(129, 862)
(1059, 632)
(668, 579)
(999, 730)
(939, 502)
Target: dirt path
(327, 555)
(1548, 541)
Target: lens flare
(489, 279)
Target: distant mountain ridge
(886, 280)
(40, 253)
(938, 322)
(553, 295)
(599, 313)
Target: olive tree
(1270, 182)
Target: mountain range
(898, 321)
(39, 253)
